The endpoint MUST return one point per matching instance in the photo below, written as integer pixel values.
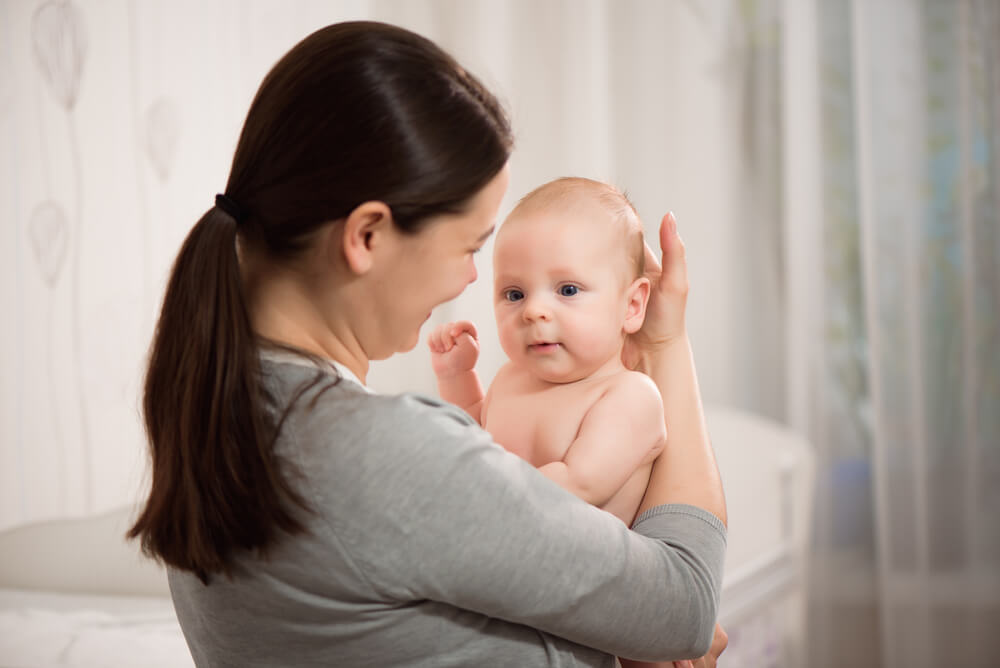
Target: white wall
(96, 196)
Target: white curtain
(894, 324)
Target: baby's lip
(539, 344)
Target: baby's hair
(611, 199)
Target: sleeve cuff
(648, 524)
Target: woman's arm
(686, 471)
(435, 511)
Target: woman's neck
(283, 309)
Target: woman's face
(431, 267)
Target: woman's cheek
(473, 274)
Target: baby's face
(561, 283)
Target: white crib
(768, 472)
(73, 593)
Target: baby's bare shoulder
(505, 371)
(632, 401)
(506, 376)
(637, 397)
(638, 385)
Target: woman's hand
(710, 660)
(685, 472)
(668, 292)
(719, 642)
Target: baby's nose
(536, 309)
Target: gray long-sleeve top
(430, 545)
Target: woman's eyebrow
(486, 234)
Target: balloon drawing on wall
(48, 231)
(60, 47)
(161, 136)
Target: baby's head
(568, 279)
(600, 204)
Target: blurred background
(834, 166)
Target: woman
(306, 521)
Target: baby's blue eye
(514, 295)
(568, 290)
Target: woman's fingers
(674, 277)
(664, 320)
(720, 640)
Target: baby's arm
(454, 351)
(621, 432)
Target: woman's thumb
(674, 261)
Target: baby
(568, 287)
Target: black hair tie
(230, 206)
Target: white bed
(73, 593)
(39, 628)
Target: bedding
(42, 629)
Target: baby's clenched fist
(454, 347)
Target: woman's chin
(390, 350)
(410, 343)
(402, 345)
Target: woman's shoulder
(324, 401)
(415, 416)
(421, 406)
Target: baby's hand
(454, 348)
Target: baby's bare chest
(540, 426)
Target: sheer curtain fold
(908, 118)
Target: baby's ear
(637, 296)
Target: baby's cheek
(595, 338)
(508, 340)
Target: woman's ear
(363, 232)
(635, 308)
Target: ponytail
(355, 112)
(216, 482)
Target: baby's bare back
(540, 421)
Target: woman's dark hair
(355, 112)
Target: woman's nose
(473, 274)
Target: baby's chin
(558, 377)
